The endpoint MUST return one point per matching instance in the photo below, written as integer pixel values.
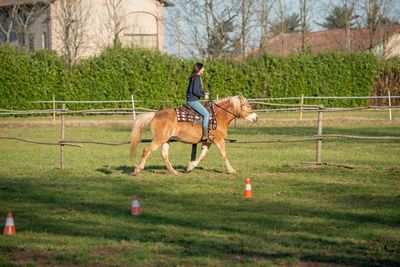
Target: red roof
(329, 40)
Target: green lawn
(299, 216)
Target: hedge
(153, 76)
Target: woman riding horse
(164, 126)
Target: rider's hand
(206, 96)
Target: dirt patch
(21, 257)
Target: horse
(164, 127)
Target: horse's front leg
(220, 143)
(203, 153)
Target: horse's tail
(139, 125)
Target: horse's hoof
(136, 172)
(233, 171)
(175, 173)
(190, 167)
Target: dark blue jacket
(195, 90)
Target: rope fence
(318, 138)
(135, 109)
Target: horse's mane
(235, 102)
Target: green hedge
(29, 77)
(153, 76)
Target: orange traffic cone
(9, 228)
(247, 191)
(135, 207)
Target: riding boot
(205, 134)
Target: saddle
(187, 114)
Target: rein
(224, 109)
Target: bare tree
(264, 17)
(20, 16)
(376, 15)
(73, 17)
(246, 14)
(207, 28)
(349, 6)
(7, 22)
(211, 29)
(305, 8)
(113, 23)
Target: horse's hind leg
(203, 153)
(146, 152)
(164, 154)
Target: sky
(319, 10)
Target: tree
(342, 16)
(264, 18)
(72, 18)
(376, 14)
(7, 22)
(339, 17)
(113, 23)
(18, 17)
(305, 7)
(207, 28)
(291, 23)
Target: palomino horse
(164, 125)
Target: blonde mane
(235, 102)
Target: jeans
(196, 105)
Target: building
(385, 43)
(84, 25)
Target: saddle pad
(187, 114)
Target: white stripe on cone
(135, 204)
(248, 187)
(9, 222)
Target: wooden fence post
(319, 133)
(301, 106)
(133, 107)
(390, 106)
(62, 138)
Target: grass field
(300, 215)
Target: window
(142, 40)
(142, 30)
(31, 41)
(45, 40)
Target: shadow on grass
(150, 168)
(202, 224)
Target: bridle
(227, 111)
(224, 109)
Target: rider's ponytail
(196, 69)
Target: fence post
(319, 133)
(133, 107)
(301, 106)
(54, 109)
(390, 106)
(62, 138)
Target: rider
(194, 93)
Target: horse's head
(245, 111)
